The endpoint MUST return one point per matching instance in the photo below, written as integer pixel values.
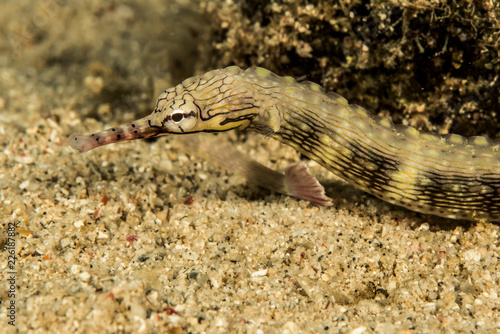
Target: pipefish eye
(177, 116)
(181, 120)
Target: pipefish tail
(449, 176)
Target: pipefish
(449, 176)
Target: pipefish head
(214, 102)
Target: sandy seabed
(146, 237)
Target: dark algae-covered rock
(430, 64)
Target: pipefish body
(449, 176)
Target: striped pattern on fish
(449, 176)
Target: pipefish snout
(449, 176)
